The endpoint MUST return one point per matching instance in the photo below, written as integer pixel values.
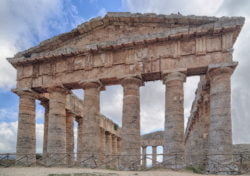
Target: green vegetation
(194, 169)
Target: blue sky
(80, 11)
(25, 23)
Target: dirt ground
(39, 171)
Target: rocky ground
(39, 171)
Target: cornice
(189, 26)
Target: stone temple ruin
(129, 49)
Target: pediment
(119, 30)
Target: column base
(221, 164)
(25, 159)
(174, 162)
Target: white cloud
(200, 7)
(7, 114)
(25, 23)
(111, 103)
(102, 12)
(8, 135)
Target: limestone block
(45, 69)
(61, 66)
(227, 41)
(24, 83)
(213, 44)
(187, 47)
(79, 62)
(201, 47)
(27, 71)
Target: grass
(196, 170)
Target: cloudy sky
(25, 23)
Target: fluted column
(130, 132)
(91, 129)
(70, 137)
(174, 120)
(26, 131)
(57, 126)
(144, 155)
(154, 156)
(220, 128)
(45, 104)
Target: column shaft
(114, 145)
(130, 133)
(102, 144)
(174, 120)
(119, 146)
(109, 149)
(70, 138)
(220, 129)
(144, 155)
(26, 132)
(45, 130)
(91, 129)
(57, 127)
(79, 138)
(154, 156)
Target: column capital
(221, 69)
(69, 113)
(60, 89)
(92, 84)
(45, 103)
(174, 76)
(131, 80)
(26, 92)
(78, 119)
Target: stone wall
(196, 134)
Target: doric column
(119, 146)
(91, 129)
(173, 146)
(45, 104)
(70, 137)
(102, 144)
(144, 155)
(220, 128)
(114, 145)
(26, 131)
(79, 138)
(114, 150)
(154, 156)
(57, 126)
(130, 132)
(108, 149)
